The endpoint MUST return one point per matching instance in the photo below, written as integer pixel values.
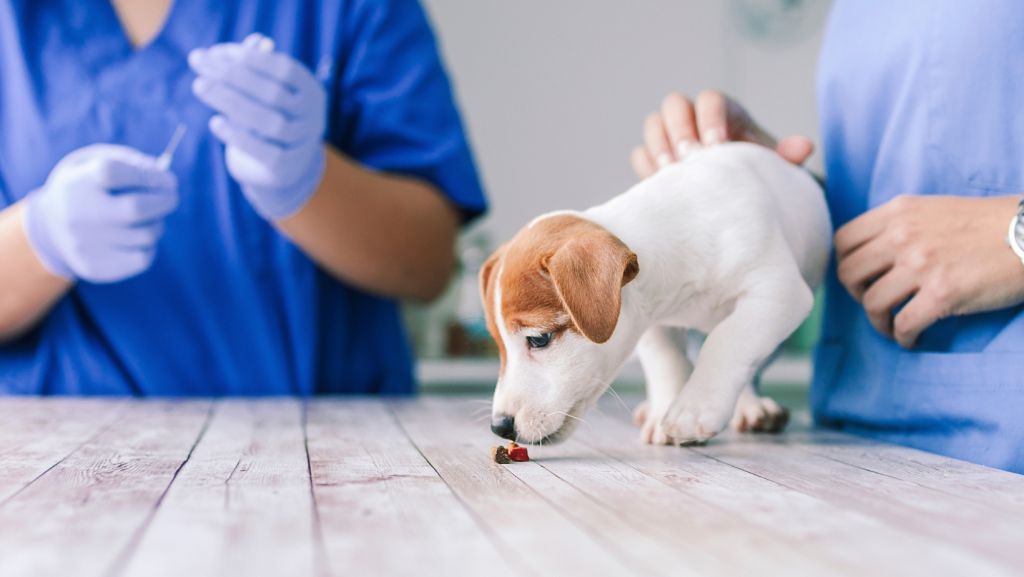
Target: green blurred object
(806, 336)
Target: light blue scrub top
(230, 306)
(923, 97)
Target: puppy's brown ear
(589, 272)
(485, 274)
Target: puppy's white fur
(730, 241)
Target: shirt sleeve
(393, 108)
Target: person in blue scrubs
(323, 174)
(920, 106)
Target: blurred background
(554, 95)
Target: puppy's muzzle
(504, 426)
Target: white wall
(554, 91)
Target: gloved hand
(100, 214)
(272, 119)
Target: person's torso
(229, 305)
(923, 97)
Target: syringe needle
(163, 162)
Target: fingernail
(685, 147)
(712, 136)
(664, 159)
(196, 56)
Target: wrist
(40, 240)
(279, 203)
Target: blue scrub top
(923, 97)
(229, 307)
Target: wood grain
(38, 433)
(540, 539)
(78, 517)
(383, 508)
(241, 505)
(848, 541)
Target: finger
(656, 140)
(920, 313)
(113, 174)
(795, 149)
(141, 236)
(859, 269)
(242, 111)
(245, 140)
(680, 123)
(858, 231)
(257, 87)
(710, 112)
(642, 163)
(885, 295)
(282, 68)
(138, 208)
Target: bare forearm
(27, 290)
(380, 232)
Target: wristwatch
(1015, 238)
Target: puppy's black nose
(504, 426)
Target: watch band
(1015, 236)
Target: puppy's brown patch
(563, 273)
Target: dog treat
(519, 454)
(500, 455)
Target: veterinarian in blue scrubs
(324, 173)
(921, 106)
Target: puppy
(731, 241)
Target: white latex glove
(272, 119)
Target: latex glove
(272, 119)
(100, 214)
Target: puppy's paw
(692, 418)
(653, 432)
(759, 415)
(640, 413)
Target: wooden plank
(857, 543)
(539, 538)
(1000, 490)
(911, 507)
(38, 432)
(241, 505)
(383, 509)
(78, 517)
(701, 539)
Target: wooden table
(255, 487)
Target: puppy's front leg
(666, 370)
(733, 352)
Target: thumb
(795, 149)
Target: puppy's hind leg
(762, 318)
(666, 369)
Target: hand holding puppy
(682, 125)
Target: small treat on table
(517, 453)
(500, 455)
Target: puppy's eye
(539, 342)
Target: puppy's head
(553, 296)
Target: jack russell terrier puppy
(731, 241)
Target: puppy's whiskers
(570, 417)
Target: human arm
(97, 218)
(27, 289)
(385, 233)
(381, 232)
